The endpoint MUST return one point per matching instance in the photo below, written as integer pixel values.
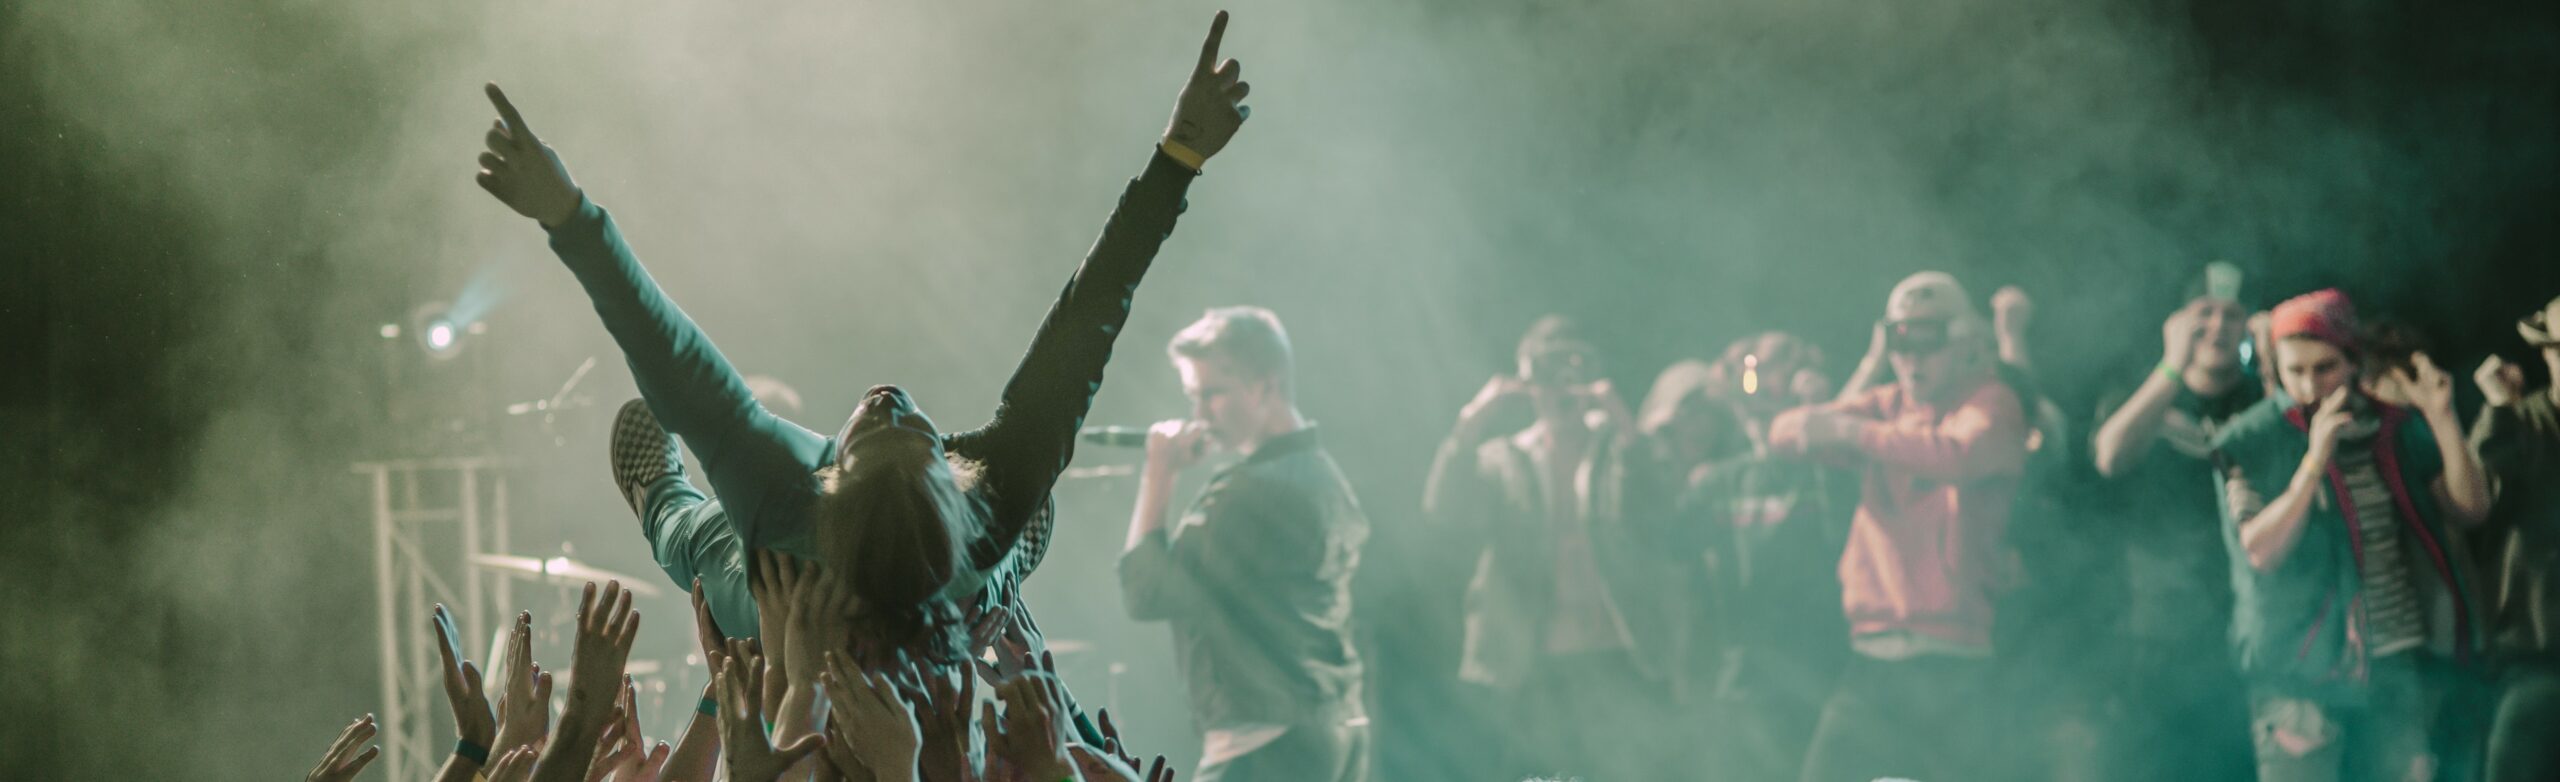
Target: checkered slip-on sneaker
(642, 452)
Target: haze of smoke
(849, 193)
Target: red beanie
(2325, 315)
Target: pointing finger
(507, 111)
(1208, 48)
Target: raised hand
(606, 626)
(1031, 737)
(751, 757)
(874, 730)
(2011, 311)
(771, 584)
(1111, 741)
(1210, 108)
(2428, 387)
(2178, 336)
(818, 603)
(953, 748)
(524, 702)
(706, 631)
(348, 755)
(1099, 766)
(472, 718)
(621, 752)
(515, 766)
(1498, 393)
(522, 171)
(2500, 382)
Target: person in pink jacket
(1941, 452)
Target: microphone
(1115, 436)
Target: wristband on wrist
(2168, 371)
(1182, 154)
(475, 753)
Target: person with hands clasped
(2353, 603)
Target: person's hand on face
(2327, 423)
(1605, 408)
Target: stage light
(439, 330)
(1750, 374)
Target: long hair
(898, 532)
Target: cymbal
(562, 570)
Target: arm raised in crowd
(751, 757)
(473, 722)
(2463, 488)
(1456, 492)
(344, 760)
(874, 735)
(606, 626)
(2127, 436)
(1032, 435)
(690, 386)
(697, 753)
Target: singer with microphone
(1255, 576)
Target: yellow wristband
(1182, 154)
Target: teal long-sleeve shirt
(763, 467)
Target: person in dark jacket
(2518, 438)
(1255, 577)
(918, 521)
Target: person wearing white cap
(1942, 452)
